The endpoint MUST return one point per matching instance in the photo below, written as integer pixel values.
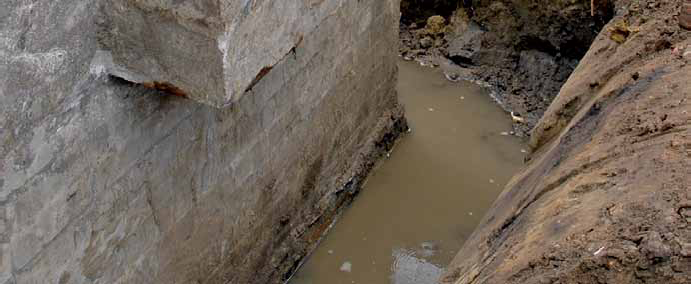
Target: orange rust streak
(165, 87)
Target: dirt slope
(606, 197)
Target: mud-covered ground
(522, 51)
(606, 196)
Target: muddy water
(419, 206)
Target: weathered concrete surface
(606, 197)
(212, 51)
(105, 181)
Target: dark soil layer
(523, 50)
(606, 196)
(417, 11)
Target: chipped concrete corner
(211, 51)
(106, 181)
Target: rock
(409, 269)
(655, 247)
(435, 25)
(465, 46)
(621, 31)
(453, 77)
(426, 42)
(686, 249)
(685, 15)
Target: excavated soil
(523, 51)
(606, 196)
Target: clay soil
(606, 195)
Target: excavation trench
(417, 208)
(238, 180)
(420, 206)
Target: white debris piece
(346, 267)
(516, 117)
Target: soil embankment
(605, 197)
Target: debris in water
(524, 151)
(428, 245)
(504, 133)
(330, 251)
(491, 181)
(599, 251)
(407, 268)
(452, 77)
(346, 267)
(517, 117)
(470, 213)
(429, 249)
(410, 130)
(430, 109)
(462, 98)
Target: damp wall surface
(116, 168)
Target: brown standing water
(419, 206)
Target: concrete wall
(106, 181)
